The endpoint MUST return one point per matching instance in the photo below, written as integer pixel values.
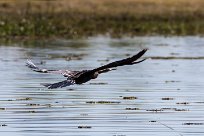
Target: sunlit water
(167, 94)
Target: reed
(82, 18)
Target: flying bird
(80, 77)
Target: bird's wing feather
(66, 73)
(127, 61)
(59, 84)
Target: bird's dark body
(80, 77)
(85, 76)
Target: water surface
(161, 96)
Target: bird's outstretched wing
(65, 73)
(127, 61)
(59, 84)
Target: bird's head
(95, 75)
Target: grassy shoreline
(83, 18)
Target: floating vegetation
(20, 99)
(48, 105)
(103, 102)
(84, 114)
(105, 60)
(75, 57)
(155, 110)
(32, 111)
(174, 53)
(167, 98)
(152, 121)
(184, 103)
(132, 109)
(167, 109)
(84, 126)
(193, 123)
(181, 110)
(172, 81)
(32, 104)
(129, 97)
(68, 57)
(174, 109)
(24, 99)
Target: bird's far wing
(127, 61)
(66, 73)
(59, 84)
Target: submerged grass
(82, 18)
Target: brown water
(161, 96)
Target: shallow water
(161, 96)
